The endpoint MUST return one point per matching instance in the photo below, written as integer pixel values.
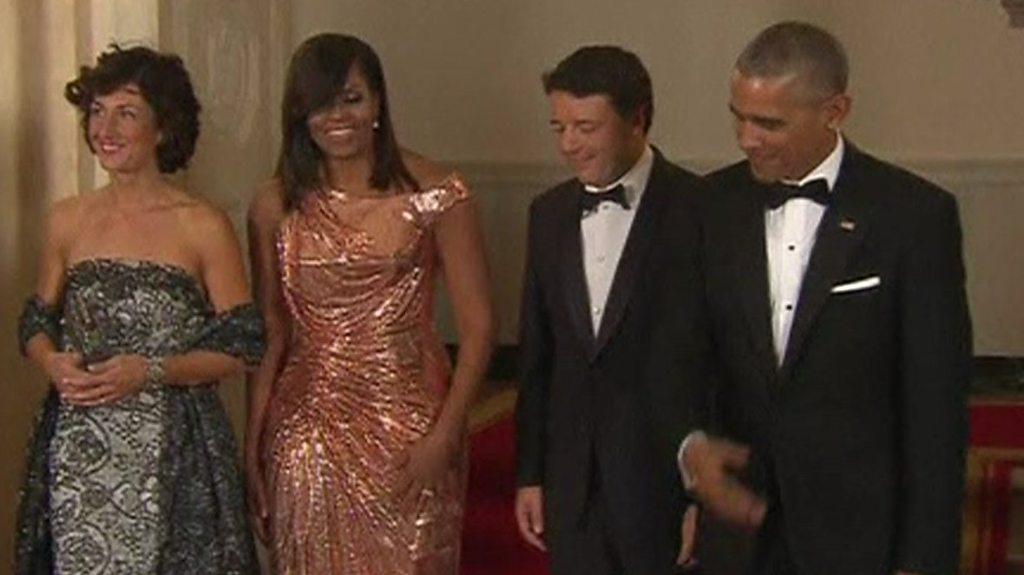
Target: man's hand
(688, 537)
(713, 464)
(530, 515)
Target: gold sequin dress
(365, 377)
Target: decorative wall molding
(990, 192)
(948, 172)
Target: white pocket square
(857, 285)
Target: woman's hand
(107, 381)
(426, 463)
(257, 493)
(61, 368)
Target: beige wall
(935, 86)
(931, 79)
(234, 53)
(38, 162)
(13, 412)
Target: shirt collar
(828, 169)
(634, 180)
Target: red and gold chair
(996, 449)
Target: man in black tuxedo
(836, 290)
(599, 420)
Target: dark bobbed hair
(608, 70)
(799, 49)
(316, 76)
(163, 83)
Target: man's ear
(837, 108)
(639, 120)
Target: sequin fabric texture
(149, 484)
(364, 378)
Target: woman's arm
(223, 275)
(460, 244)
(265, 217)
(39, 321)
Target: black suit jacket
(859, 436)
(602, 408)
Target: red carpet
(490, 540)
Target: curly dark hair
(316, 75)
(163, 82)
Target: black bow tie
(590, 200)
(815, 190)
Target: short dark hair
(609, 70)
(316, 75)
(800, 49)
(163, 83)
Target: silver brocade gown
(149, 484)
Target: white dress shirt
(604, 231)
(790, 231)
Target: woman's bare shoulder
(206, 220)
(426, 171)
(268, 206)
(66, 214)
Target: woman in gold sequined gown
(355, 453)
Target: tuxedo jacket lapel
(840, 232)
(751, 276)
(574, 281)
(638, 244)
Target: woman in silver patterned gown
(141, 307)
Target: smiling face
(597, 143)
(784, 132)
(343, 129)
(123, 131)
